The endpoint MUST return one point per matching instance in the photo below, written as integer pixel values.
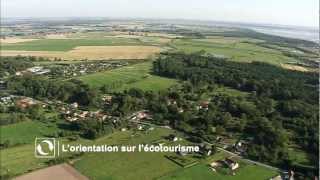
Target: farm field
(63, 171)
(14, 40)
(136, 165)
(68, 44)
(137, 75)
(234, 49)
(93, 53)
(20, 159)
(25, 132)
(121, 45)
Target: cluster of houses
(36, 70)
(77, 69)
(141, 115)
(71, 113)
(72, 70)
(18, 101)
(8, 100)
(204, 105)
(106, 99)
(26, 102)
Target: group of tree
(40, 87)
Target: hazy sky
(287, 12)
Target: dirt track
(58, 172)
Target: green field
(69, 44)
(237, 51)
(135, 76)
(145, 166)
(25, 132)
(133, 166)
(20, 159)
(201, 171)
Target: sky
(282, 12)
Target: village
(61, 70)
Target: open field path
(61, 172)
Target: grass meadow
(135, 76)
(235, 50)
(25, 132)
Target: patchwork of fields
(120, 45)
(93, 47)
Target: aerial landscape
(245, 94)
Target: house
(173, 138)
(142, 115)
(206, 149)
(43, 71)
(18, 73)
(3, 84)
(25, 102)
(204, 105)
(38, 70)
(35, 69)
(233, 165)
(140, 127)
(74, 105)
(171, 102)
(214, 165)
(180, 110)
(288, 175)
(83, 114)
(241, 146)
(107, 98)
(71, 119)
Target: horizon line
(154, 18)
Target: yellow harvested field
(56, 36)
(164, 40)
(15, 40)
(295, 67)
(164, 35)
(93, 53)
